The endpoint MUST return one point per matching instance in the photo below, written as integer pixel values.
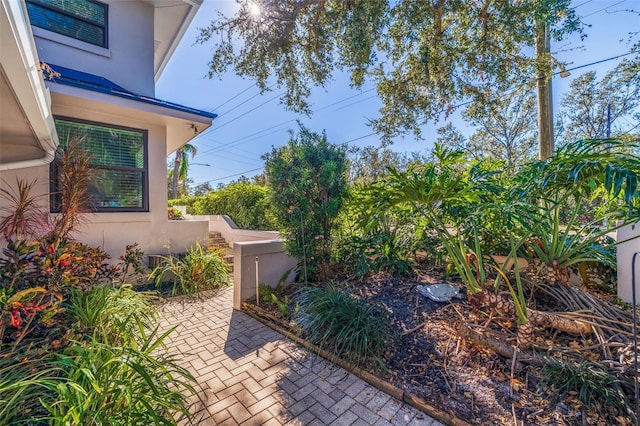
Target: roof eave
(194, 5)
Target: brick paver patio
(250, 374)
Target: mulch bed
(428, 359)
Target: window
(118, 157)
(84, 20)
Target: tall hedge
(245, 202)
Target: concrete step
(229, 259)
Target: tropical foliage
(77, 345)
(197, 270)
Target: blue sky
(249, 124)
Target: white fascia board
(21, 65)
(194, 5)
(133, 104)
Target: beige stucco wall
(128, 60)
(625, 251)
(152, 230)
(230, 231)
(272, 263)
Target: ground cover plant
(531, 341)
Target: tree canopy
(596, 108)
(423, 55)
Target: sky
(249, 124)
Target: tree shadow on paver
(246, 335)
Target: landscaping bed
(426, 357)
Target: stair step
(218, 241)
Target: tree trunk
(505, 306)
(500, 347)
(176, 168)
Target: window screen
(84, 20)
(118, 159)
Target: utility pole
(608, 120)
(545, 95)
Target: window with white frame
(84, 20)
(118, 159)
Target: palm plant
(23, 217)
(587, 170)
(181, 166)
(75, 173)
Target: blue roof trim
(100, 84)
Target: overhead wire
(450, 108)
(232, 98)
(603, 9)
(255, 136)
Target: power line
(583, 3)
(250, 137)
(511, 91)
(232, 98)
(604, 8)
(210, 129)
(230, 176)
(597, 62)
(247, 100)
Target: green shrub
(246, 203)
(114, 315)
(308, 181)
(21, 388)
(198, 270)
(113, 371)
(184, 201)
(339, 323)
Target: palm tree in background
(181, 165)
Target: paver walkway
(250, 374)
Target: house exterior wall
(128, 60)
(629, 244)
(152, 229)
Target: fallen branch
(411, 330)
(500, 347)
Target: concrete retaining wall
(270, 260)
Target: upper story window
(84, 20)
(118, 158)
